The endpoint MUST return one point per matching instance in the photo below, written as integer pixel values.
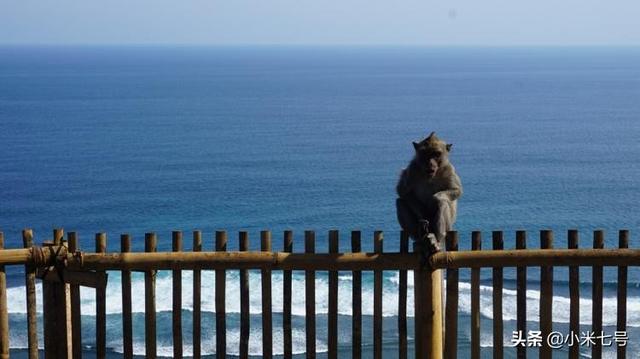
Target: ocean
(139, 139)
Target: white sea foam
(165, 349)
(17, 304)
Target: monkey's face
(431, 154)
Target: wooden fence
(63, 268)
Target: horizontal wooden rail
(15, 256)
(326, 261)
(536, 258)
(244, 260)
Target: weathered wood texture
(220, 296)
(56, 306)
(332, 321)
(267, 317)
(621, 326)
(310, 298)
(498, 331)
(402, 301)
(596, 297)
(451, 311)
(101, 304)
(150, 244)
(197, 300)
(176, 278)
(521, 294)
(476, 245)
(30, 284)
(76, 315)
(340, 261)
(377, 300)
(245, 318)
(127, 309)
(546, 296)
(286, 300)
(429, 313)
(356, 298)
(574, 295)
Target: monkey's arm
(453, 189)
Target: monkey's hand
(447, 195)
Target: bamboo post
(434, 332)
(402, 301)
(197, 285)
(245, 317)
(451, 311)
(176, 241)
(377, 300)
(521, 295)
(419, 304)
(76, 315)
(267, 321)
(333, 300)
(574, 295)
(63, 308)
(150, 243)
(101, 304)
(546, 296)
(127, 320)
(4, 314)
(221, 324)
(286, 299)
(428, 287)
(310, 298)
(498, 332)
(356, 320)
(49, 316)
(30, 284)
(476, 245)
(596, 349)
(621, 326)
(48, 319)
(57, 311)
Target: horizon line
(319, 45)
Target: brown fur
(429, 189)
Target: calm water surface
(156, 139)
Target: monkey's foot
(433, 243)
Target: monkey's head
(432, 154)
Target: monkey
(428, 191)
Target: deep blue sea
(139, 139)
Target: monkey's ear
(449, 147)
(416, 146)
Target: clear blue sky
(321, 22)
